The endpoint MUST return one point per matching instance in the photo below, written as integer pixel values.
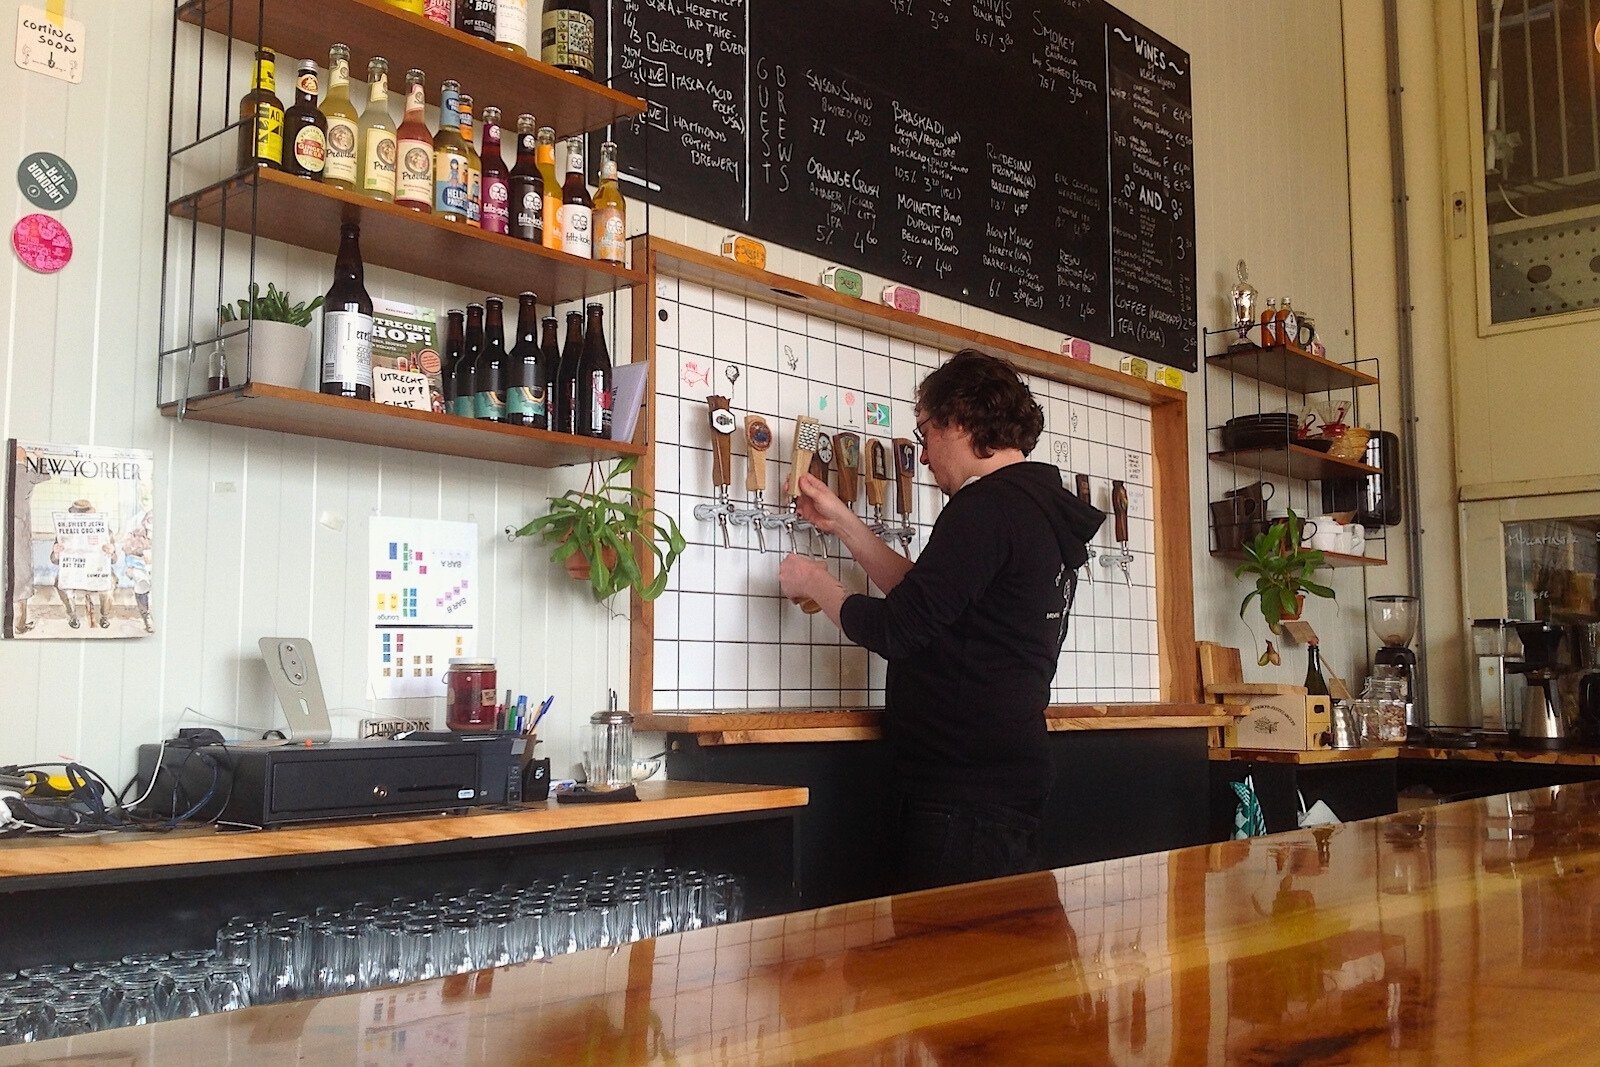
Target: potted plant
(1282, 567)
(279, 343)
(592, 531)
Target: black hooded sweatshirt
(972, 634)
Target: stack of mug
(1240, 515)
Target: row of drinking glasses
(57, 1000)
(294, 956)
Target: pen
(551, 699)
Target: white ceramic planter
(278, 352)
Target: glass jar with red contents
(469, 695)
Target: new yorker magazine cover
(80, 545)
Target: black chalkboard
(1033, 158)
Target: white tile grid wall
(725, 638)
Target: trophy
(1243, 299)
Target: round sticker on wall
(42, 243)
(47, 180)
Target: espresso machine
(1544, 694)
(1393, 620)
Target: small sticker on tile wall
(877, 414)
(696, 373)
(1135, 466)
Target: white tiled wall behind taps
(725, 638)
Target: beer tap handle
(806, 432)
(822, 461)
(759, 437)
(877, 476)
(905, 467)
(720, 414)
(1085, 495)
(847, 455)
(1119, 509)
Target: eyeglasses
(922, 442)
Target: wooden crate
(1275, 716)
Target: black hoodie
(972, 634)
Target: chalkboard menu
(1033, 158)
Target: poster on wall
(423, 587)
(80, 542)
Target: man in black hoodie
(971, 630)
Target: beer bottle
(261, 118)
(343, 123)
(567, 375)
(594, 379)
(511, 25)
(550, 368)
(495, 215)
(347, 323)
(526, 187)
(474, 166)
(378, 145)
(577, 210)
(453, 341)
(524, 380)
(466, 402)
(610, 211)
(476, 17)
(414, 187)
(304, 129)
(545, 159)
(488, 373)
(566, 38)
(1316, 684)
(449, 158)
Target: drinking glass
(496, 937)
(78, 1013)
(727, 899)
(566, 925)
(419, 963)
(228, 986)
(383, 945)
(693, 901)
(452, 945)
(635, 919)
(533, 916)
(190, 996)
(277, 954)
(28, 1016)
(137, 1001)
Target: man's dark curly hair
(983, 395)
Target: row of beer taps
(818, 453)
(1123, 558)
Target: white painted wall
(79, 365)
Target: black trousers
(940, 843)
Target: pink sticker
(1075, 348)
(42, 243)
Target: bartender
(971, 630)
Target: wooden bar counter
(1464, 933)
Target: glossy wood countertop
(33, 857)
(1465, 933)
(768, 726)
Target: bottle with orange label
(1288, 324)
(1269, 324)
(414, 186)
(474, 164)
(545, 159)
(305, 131)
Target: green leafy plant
(602, 525)
(274, 307)
(1282, 567)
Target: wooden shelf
(306, 214)
(1330, 559)
(271, 407)
(494, 76)
(1295, 461)
(1291, 367)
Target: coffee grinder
(1393, 620)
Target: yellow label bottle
(610, 211)
(340, 170)
(414, 6)
(261, 118)
(379, 145)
